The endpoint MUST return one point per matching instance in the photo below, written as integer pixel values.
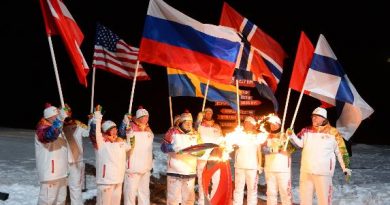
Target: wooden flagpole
(205, 95)
(93, 89)
(56, 71)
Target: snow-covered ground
(369, 185)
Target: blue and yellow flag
(186, 84)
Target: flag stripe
(114, 55)
(176, 34)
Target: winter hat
(176, 119)
(274, 120)
(208, 110)
(49, 111)
(107, 125)
(250, 119)
(141, 112)
(186, 115)
(320, 112)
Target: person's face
(187, 125)
(208, 115)
(112, 134)
(52, 118)
(317, 120)
(274, 126)
(143, 120)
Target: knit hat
(250, 119)
(274, 120)
(107, 125)
(176, 119)
(208, 110)
(320, 112)
(186, 115)
(141, 112)
(50, 111)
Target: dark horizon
(356, 33)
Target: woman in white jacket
(277, 166)
(110, 161)
(139, 161)
(321, 144)
(247, 163)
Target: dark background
(358, 33)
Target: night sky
(358, 33)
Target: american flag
(114, 55)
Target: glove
(347, 173)
(200, 117)
(126, 118)
(97, 115)
(63, 114)
(130, 138)
(260, 170)
(289, 131)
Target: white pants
(242, 177)
(52, 192)
(322, 185)
(75, 182)
(136, 184)
(278, 181)
(180, 190)
(109, 194)
(214, 181)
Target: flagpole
(205, 94)
(295, 114)
(93, 89)
(56, 71)
(133, 87)
(238, 105)
(285, 109)
(170, 110)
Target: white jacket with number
(209, 134)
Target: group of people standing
(124, 155)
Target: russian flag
(327, 81)
(270, 50)
(172, 39)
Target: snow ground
(369, 185)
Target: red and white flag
(59, 21)
(114, 55)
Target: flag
(58, 20)
(183, 83)
(112, 54)
(270, 50)
(302, 62)
(327, 81)
(172, 39)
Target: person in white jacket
(210, 132)
(139, 161)
(74, 131)
(181, 166)
(277, 165)
(110, 160)
(321, 144)
(51, 155)
(247, 163)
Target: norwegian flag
(115, 55)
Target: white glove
(63, 114)
(200, 117)
(347, 172)
(260, 170)
(97, 115)
(126, 118)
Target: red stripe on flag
(153, 52)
